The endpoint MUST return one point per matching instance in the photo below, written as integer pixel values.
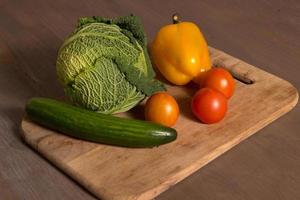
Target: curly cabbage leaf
(104, 65)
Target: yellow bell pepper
(180, 52)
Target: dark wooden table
(263, 33)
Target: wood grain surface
(127, 173)
(263, 33)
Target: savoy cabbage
(104, 65)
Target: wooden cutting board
(122, 173)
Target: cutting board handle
(240, 70)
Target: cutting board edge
(64, 168)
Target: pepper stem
(176, 18)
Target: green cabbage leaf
(104, 64)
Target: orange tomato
(162, 108)
(209, 105)
(219, 79)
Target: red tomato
(162, 108)
(219, 79)
(209, 105)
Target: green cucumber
(97, 127)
